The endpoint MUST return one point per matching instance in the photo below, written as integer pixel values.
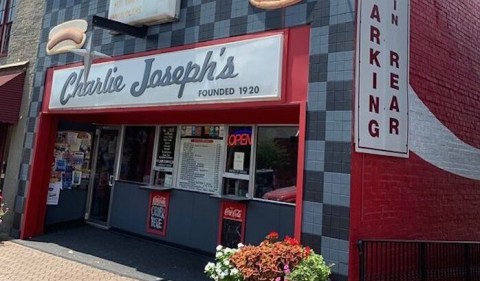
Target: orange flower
(291, 241)
(272, 235)
(307, 251)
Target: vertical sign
(381, 125)
(232, 223)
(158, 212)
(166, 148)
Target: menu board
(158, 212)
(199, 168)
(166, 149)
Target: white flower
(209, 266)
(219, 247)
(234, 271)
(240, 245)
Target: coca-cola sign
(233, 213)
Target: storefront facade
(239, 118)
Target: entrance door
(103, 175)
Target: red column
(36, 197)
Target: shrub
(271, 260)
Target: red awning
(11, 92)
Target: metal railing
(397, 260)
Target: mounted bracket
(120, 27)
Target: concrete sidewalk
(101, 254)
(20, 263)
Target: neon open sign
(240, 137)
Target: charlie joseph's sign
(228, 72)
(381, 125)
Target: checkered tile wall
(328, 147)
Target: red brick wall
(394, 198)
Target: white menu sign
(199, 167)
(382, 69)
(143, 11)
(225, 72)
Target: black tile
(337, 157)
(178, 37)
(193, 16)
(36, 94)
(341, 37)
(316, 125)
(339, 100)
(223, 11)
(238, 26)
(152, 42)
(206, 32)
(31, 124)
(318, 68)
(336, 221)
(17, 219)
(26, 156)
(313, 241)
(320, 16)
(129, 46)
(274, 19)
(22, 186)
(313, 189)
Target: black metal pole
(361, 260)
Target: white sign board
(382, 68)
(147, 12)
(199, 165)
(54, 193)
(240, 71)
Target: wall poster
(71, 166)
(232, 223)
(158, 212)
(53, 193)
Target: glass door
(103, 175)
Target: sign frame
(376, 123)
(228, 204)
(162, 195)
(238, 77)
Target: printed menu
(166, 149)
(199, 167)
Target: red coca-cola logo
(159, 200)
(233, 213)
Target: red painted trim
(48, 89)
(166, 195)
(36, 201)
(297, 64)
(302, 127)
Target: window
(7, 13)
(249, 161)
(237, 168)
(137, 152)
(276, 163)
